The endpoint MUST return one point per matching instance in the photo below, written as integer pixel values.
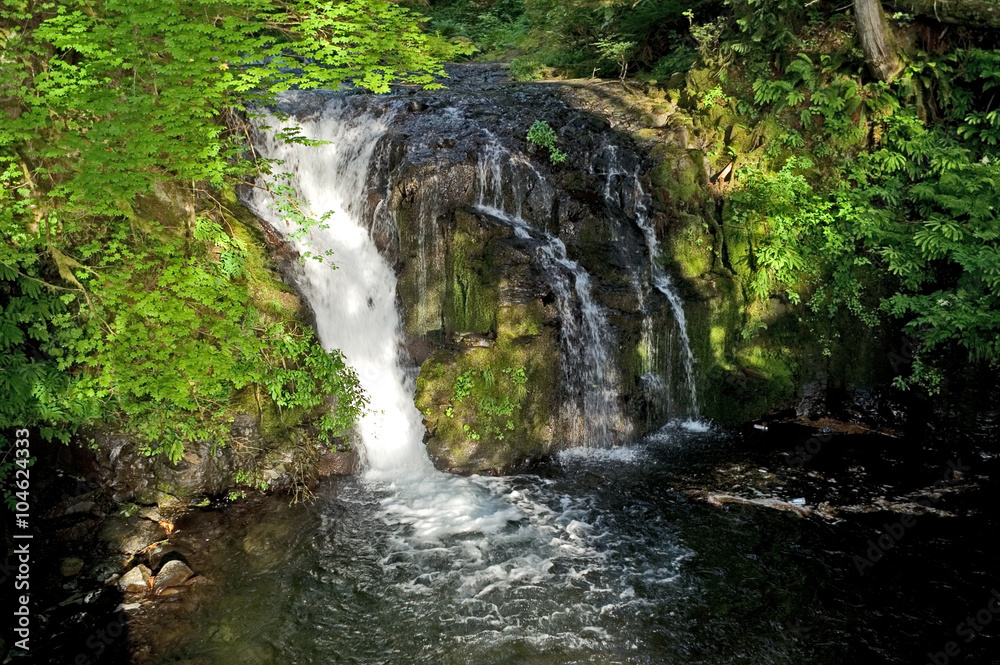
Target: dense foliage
(128, 291)
(850, 194)
(579, 37)
(864, 187)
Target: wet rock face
(501, 325)
(478, 305)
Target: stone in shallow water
(135, 580)
(131, 534)
(173, 573)
(71, 566)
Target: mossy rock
(490, 409)
(679, 179)
(701, 80)
(473, 297)
(528, 320)
(691, 250)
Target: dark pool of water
(606, 559)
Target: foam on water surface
(697, 426)
(621, 454)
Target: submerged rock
(70, 567)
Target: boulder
(135, 580)
(128, 535)
(173, 573)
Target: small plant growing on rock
(540, 133)
(497, 398)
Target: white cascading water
(636, 204)
(355, 303)
(585, 336)
(663, 283)
(353, 295)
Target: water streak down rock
(624, 191)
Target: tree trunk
(876, 39)
(974, 13)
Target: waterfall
(594, 415)
(354, 301)
(633, 202)
(354, 304)
(585, 333)
(348, 182)
(663, 283)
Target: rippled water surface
(596, 558)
